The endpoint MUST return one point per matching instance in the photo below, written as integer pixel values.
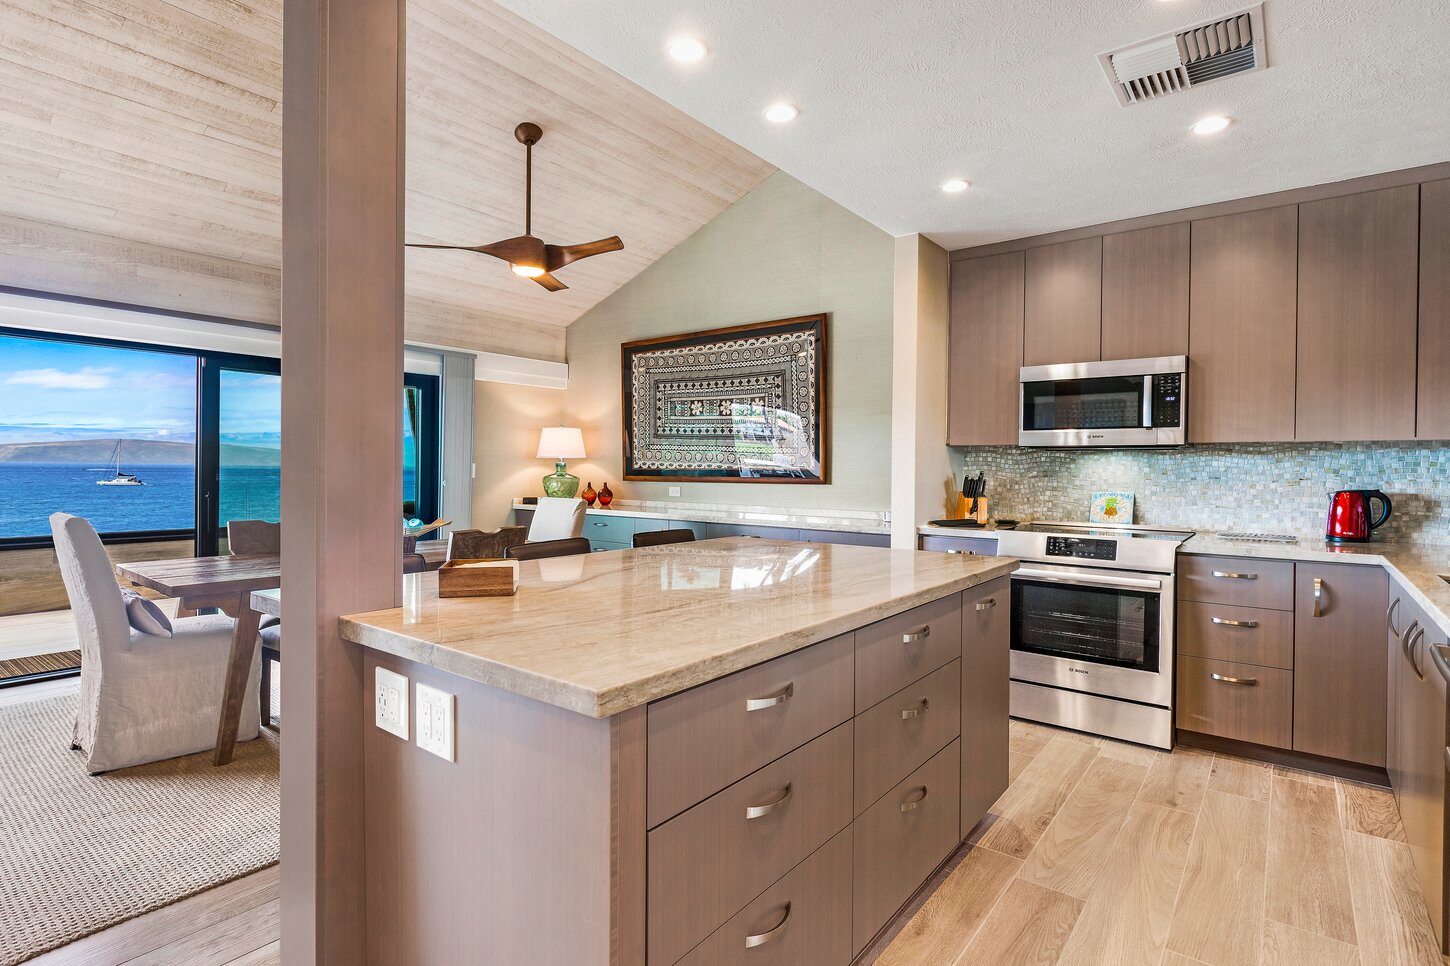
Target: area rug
(82, 852)
(20, 667)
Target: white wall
(506, 423)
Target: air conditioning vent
(1178, 61)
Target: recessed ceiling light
(781, 113)
(1212, 124)
(954, 185)
(687, 50)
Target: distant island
(134, 452)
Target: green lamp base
(560, 483)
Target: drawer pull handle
(1390, 618)
(761, 938)
(910, 804)
(922, 707)
(1233, 576)
(986, 603)
(601, 524)
(1318, 596)
(771, 700)
(1247, 682)
(760, 811)
(911, 637)
(1231, 623)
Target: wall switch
(435, 721)
(674, 491)
(390, 696)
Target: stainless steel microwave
(1122, 402)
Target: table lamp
(560, 443)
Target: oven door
(1088, 411)
(1105, 632)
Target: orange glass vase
(589, 496)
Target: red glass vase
(606, 496)
(588, 496)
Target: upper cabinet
(985, 350)
(1145, 293)
(1241, 343)
(1433, 421)
(1358, 287)
(1063, 310)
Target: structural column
(342, 368)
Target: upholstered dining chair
(143, 698)
(549, 548)
(484, 544)
(658, 538)
(261, 538)
(557, 518)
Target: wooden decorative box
(478, 578)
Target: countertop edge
(735, 518)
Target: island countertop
(601, 633)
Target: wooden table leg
(239, 668)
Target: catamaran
(118, 478)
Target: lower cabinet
(1339, 671)
(1239, 701)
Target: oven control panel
(1085, 548)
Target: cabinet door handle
(1441, 659)
(1247, 682)
(986, 603)
(1407, 639)
(1416, 665)
(1318, 596)
(1232, 623)
(1233, 576)
(761, 938)
(1390, 618)
(771, 700)
(911, 803)
(760, 811)
(911, 637)
(921, 708)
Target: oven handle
(1092, 580)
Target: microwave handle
(1092, 580)
(1147, 402)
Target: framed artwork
(745, 404)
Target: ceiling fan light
(527, 271)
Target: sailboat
(118, 478)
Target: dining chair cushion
(143, 614)
(659, 538)
(549, 548)
(271, 636)
(557, 518)
(254, 538)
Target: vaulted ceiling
(140, 162)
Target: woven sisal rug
(82, 852)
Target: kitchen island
(677, 753)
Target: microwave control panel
(1086, 549)
(1167, 400)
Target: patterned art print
(745, 404)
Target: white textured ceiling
(896, 97)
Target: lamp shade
(561, 443)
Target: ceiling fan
(529, 256)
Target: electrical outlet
(674, 491)
(390, 696)
(435, 721)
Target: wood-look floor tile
(1307, 876)
(1126, 919)
(1123, 751)
(1286, 946)
(1078, 842)
(1016, 761)
(1236, 776)
(218, 944)
(944, 925)
(1024, 812)
(1371, 810)
(1313, 778)
(1178, 780)
(1171, 958)
(1390, 918)
(1218, 918)
(1026, 737)
(1029, 925)
(268, 955)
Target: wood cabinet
(985, 350)
(1241, 341)
(1145, 293)
(1062, 314)
(986, 661)
(1339, 669)
(1433, 410)
(1358, 288)
(1243, 702)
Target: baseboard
(1352, 771)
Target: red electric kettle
(1349, 519)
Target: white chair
(142, 698)
(557, 518)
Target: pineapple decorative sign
(1111, 507)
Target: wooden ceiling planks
(140, 161)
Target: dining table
(226, 583)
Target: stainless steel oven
(1121, 402)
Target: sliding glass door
(239, 454)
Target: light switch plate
(390, 694)
(674, 491)
(435, 721)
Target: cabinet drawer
(703, 739)
(1247, 635)
(1239, 581)
(1256, 706)
(705, 865)
(906, 729)
(976, 546)
(901, 839)
(890, 654)
(802, 920)
(602, 529)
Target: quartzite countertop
(601, 633)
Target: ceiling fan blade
(459, 248)
(525, 249)
(561, 255)
(550, 282)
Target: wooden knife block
(963, 504)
